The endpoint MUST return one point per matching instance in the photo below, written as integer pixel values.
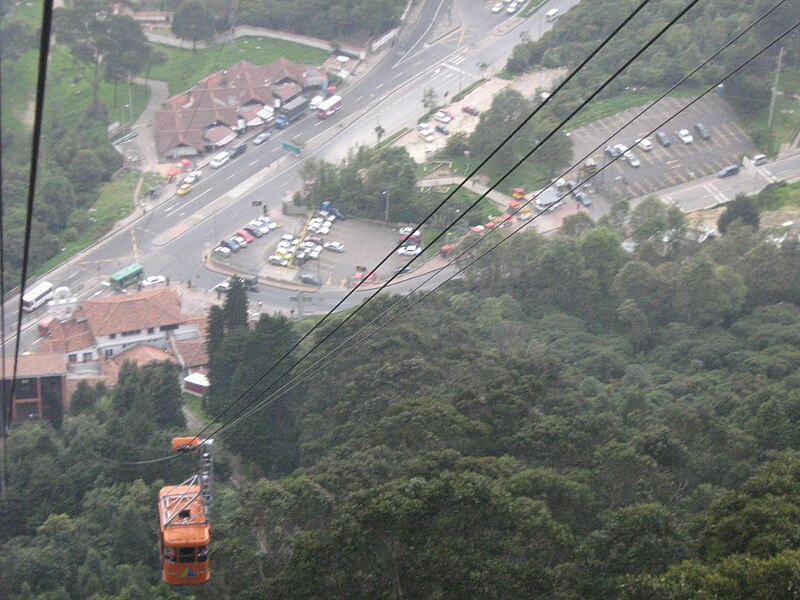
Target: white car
(511, 8)
(442, 117)
(409, 251)
(240, 240)
(334, 246)
(632, 159)
(222, 251)
(621, 148)
(153, 280)
(277, 260)
(685, 136)
(406, 230)
(268, 222)
(497, 7)
(324, 229)
(192, 177)
(645, 144)
(315, 252)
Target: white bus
(551, 14)
(37, 296)
(329, 106)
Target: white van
(219, 159)
(551, 15)
(315, 102)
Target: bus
(37, 296)
(127, 276)
(329, 106)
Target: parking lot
(365, 243)
(664, 167)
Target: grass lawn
(115, 203)
(195, 405)
(785, 121)
(780, 197)
(183, 68)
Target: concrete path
(144, 125)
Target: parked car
(193, 177)
(230, 244)
(254, 231)
(497, 7)
(239, 240)
(632, 159)
(612, 151)
(334, 246)
(702, 131)
(153, 280)
(183, 189)
(728, 171)
(278, 260)
(409, 250)
(645, 144)
(310, 278)
(443, 129)
(471, 110)
(512, 8)
(223, 286)
(663, 139)
(583, 198)
(246, 236)
(621, 148)
(443, 116)
(685, 136)
(223, 251)
(759, 159)
(261, 138)
(339, 214)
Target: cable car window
(202, 554)
(186, 555)
(170, 555)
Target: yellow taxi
(183, 189)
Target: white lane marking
(252, 163)
(414, 45)
(377, 87)
(172, 208)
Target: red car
(471, 110)
(248, 237)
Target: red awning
(447, 247)
(489, 225)
(513, 204)
(172, 171)
(185, 162)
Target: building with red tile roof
(40, 387)
(191, 122)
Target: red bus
(329, 106)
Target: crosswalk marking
(457, 59)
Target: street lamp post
(385, 195)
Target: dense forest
(701, 32)
(569, 420)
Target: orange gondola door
(183, 513)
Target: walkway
(144, 125)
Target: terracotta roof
(287, 91)
(141, 355)
(36, 365)
(67, 336)
(193, 352)
(184, 127)
(128, 312)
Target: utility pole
(778, 68)
(385, 195)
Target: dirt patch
(530, 86)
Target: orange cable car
(183, 514)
